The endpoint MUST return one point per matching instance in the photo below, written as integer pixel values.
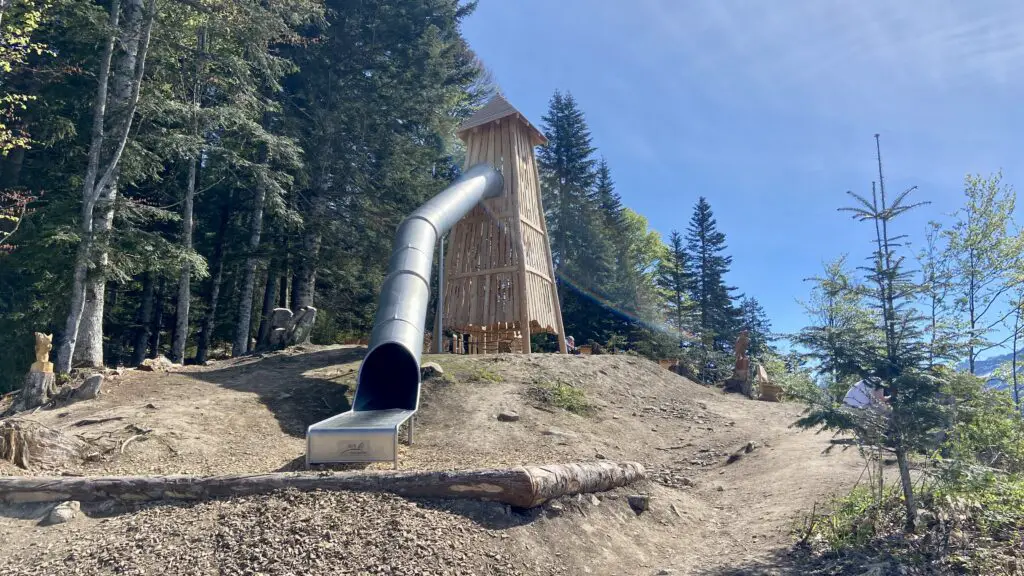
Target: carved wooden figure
(44, 343)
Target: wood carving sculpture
(742, 362)
(44, 343)
(740, 381)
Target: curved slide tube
(388, 384)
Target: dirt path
(708, 516)
(766, 497)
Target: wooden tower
(499, 278)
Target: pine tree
(717, 315)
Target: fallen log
(524, 487)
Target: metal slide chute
(388, 386)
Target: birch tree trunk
(304, 281)
(88, 289)
(82, 255)
(89, 351)
(1013, 364)
(282, 290)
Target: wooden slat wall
(490, 287)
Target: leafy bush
(973, 527)
(797, 384)
(564, 396)
(986, 429)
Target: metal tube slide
(389, 377)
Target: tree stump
(26, 443)
(38, 389)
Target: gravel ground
(250, 415)
(289, 533)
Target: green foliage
(755, 321)
(565, 396)
(851, 521)
(972, 517)
(986, 432)
(972, 527)
(796, 381)
(841, 326)
(18, 44)
(484, 374)
(937, 283)
(889, 352)
(674, 281)
(983, 253)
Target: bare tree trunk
(282, 291)
(82, 255)
(90, 334)
(209, 321)
(145, 318)
(158, 320)
(244, 326)
(908, 488)
(185, 280)
(89, 352)
(525, 487)
(1013, 362)
(102, 193)
(304, 281)
(269, 295)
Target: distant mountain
(987, 366)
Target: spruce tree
(676, 284)
(566, 168)
(580, 242)
(717, 316)
(841, 323)
(893, 354)
(759, 327)
(608, 200)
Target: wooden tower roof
(496, 109)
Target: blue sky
(768, 109)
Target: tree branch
(21, 216)
(140, 69)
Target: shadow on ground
(799, 561)
(295, 400)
